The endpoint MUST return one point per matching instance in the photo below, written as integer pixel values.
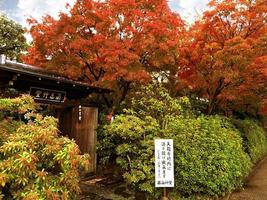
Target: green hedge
(209, 155)
(254, 138)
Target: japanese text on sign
(47, 95)
(164, 169)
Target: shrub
(254, 138)
(209, 158)
(106, 145)
(35, 162)
(158, 105)
(136, 149)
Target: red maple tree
(224, 61)
(111, 43)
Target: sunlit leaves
(36, 163)
(112, 43)
(223, 61)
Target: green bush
(209, 159)
(254, 138)
(136, 149)
(158, 105)
(35, 162)
(106, 145)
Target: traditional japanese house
(77, 119)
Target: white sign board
(164, 168)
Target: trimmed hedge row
(211, 157)
(254, 138)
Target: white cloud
(189, 9)
(39, 8)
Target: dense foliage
(220, 58)
(209, 157)
(35, 162)
(12, 40)
(106, 145)
(219, 62)
(115, 43)
(225, 58)
(254, 138)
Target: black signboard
(48, 95)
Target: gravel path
(256, 187)
(105, 189)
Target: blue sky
(20, 10)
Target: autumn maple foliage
(111, 43)
(225, 58)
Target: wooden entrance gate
(82, 130)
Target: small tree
(12, 40)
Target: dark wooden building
(77, 120)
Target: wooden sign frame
(44, 94)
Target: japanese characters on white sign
(164, 168)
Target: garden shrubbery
(254, 138)
(106, 145)
(210, 159)
(35, 162)
(209, 156)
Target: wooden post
(165, 194)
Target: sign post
(164, 167)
